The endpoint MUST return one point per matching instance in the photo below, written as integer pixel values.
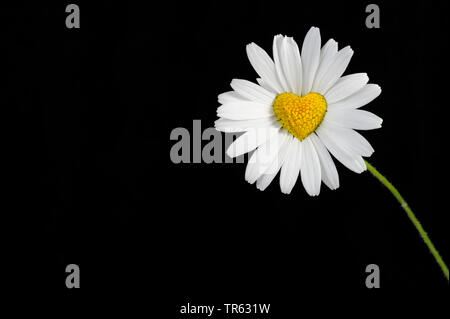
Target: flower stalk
(411, 216)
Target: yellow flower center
(300, 115)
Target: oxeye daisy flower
(301, 110)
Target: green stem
(411, 216)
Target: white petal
(252, 91)
(356, 142)
(310, 168)
(244, 111)
(262, 159)
(277, 58)
(355, 119)
(226, 125)
(358, 99)
(342, 153)
(329, 172)
(249, 141)
(330, 48)
(230, 97)
(291, 166)
(327, 56)
(264, 85)
(264, 66)
(272, 171)
(310, 58)
(337, 68)
(346, 86)
(348, 138)
(292, 65)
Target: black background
(95, 186)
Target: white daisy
(301, 110)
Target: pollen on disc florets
(300, 115)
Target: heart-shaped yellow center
(300, 115)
